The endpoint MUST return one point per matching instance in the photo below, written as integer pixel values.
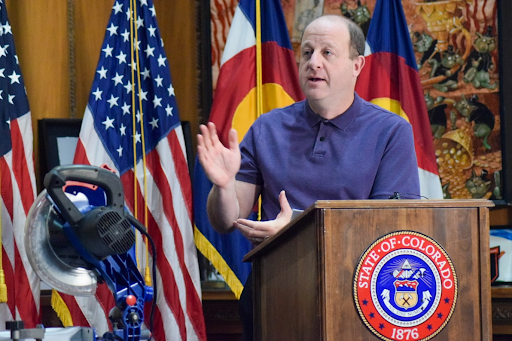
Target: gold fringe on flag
(3, 286)
(209, 251)
(60, 307)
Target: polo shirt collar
(341, 121)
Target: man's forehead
(326, 36)
(326, 24)
(318, 41)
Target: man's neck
(328, 109)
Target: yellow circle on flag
(391, 105)
(274, 96)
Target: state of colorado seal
(405, 287)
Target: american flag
(132, 118)
(17, 185)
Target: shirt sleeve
(249, 170)
(398, 168)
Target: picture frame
(204, 66)
(57, 142)
(501, 255)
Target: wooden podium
(305, 276)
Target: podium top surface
(371, 204)
(393, 203)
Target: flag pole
(136, 79)
(147, 274)
(259, 78)
(259, 81)
(134, 112)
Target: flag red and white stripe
(18, 191)
(17, 185)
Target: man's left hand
(258, 231)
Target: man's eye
(306, 53)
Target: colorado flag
(390, 79)
(258, 73)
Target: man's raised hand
(219, 163)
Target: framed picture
(500, 244)
(204, 66)
(57, 143)
(187, 135)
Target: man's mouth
(315, 79)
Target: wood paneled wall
(41, 33)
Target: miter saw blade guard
(50, 253)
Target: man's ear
(358, 65)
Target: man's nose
(315, 61)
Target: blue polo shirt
(365, 153)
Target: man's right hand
(220, 164)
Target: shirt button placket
(320, 149)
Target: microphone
(396, 195)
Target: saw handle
(56, 179)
